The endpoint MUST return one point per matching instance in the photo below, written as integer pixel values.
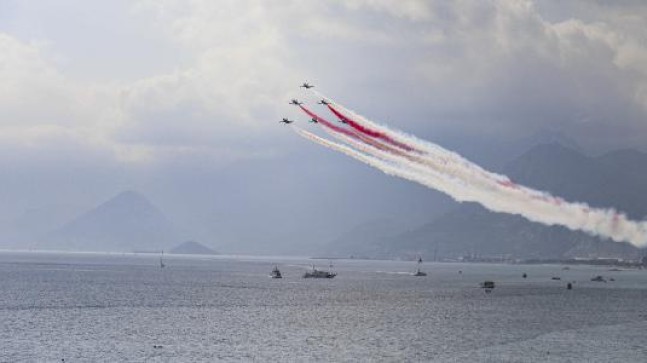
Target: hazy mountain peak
(626, 155)
(193, 248)
(126, 222)
(128, 198)
(547, 137)
(553, 148)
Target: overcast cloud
(181, 99)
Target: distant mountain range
(126, 222)
(130, 222)
(617, 179)
(192, 248)
(361, 240)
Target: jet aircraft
(295, 102)
(306, 85)
(323, 102)
(314, 120)
(286, 121)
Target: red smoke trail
(371, 140)
(328, 124)
(370, 132)
(352, 134)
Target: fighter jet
(323, 102)
(306, 85)
(286, 121)
(295, 102)
(314, 120)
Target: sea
(94, 307)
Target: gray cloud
(181, 100)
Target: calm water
(94, 307)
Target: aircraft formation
(296, 102)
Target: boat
(162, 265)
(319, 274)
(418, 272)
(488, 286)
(598, 279)
(276, 274)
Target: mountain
(617, 179)
(25, 230)
(192, 248)
(364, 239)
(126, 222)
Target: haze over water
(98, 307)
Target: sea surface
(84, 307)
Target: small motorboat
(598, 279)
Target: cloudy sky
(180, 100)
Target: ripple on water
(127, 309)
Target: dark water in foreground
(93, 307)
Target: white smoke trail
(436, 156)
(454, 187)
(392, 169)
(442, 182)
(433, 150)
(447, 184)
(495, 191)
